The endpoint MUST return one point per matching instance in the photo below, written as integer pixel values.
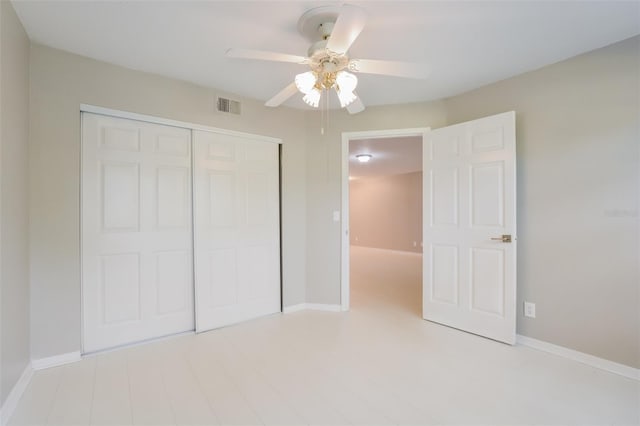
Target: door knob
(506, 238)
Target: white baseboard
(54, 361)
(11, 402)
(324, 307)
(134, 344)
(593, 361)
(415, 253)
(294, 308)
(311, 307)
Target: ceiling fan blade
(265, 55)
(355, 106)
(282, 96)
(348, 26)
(395, 68)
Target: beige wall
(386, 212)
(60, 82)
(578, 142)
(14, 136)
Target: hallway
(386, 280)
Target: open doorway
(382, 220)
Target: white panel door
(137, 267)
(469, 278)
(237, 229)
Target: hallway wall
(386, 212)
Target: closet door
(237, 234)
(137, 267)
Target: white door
(237, 223)
(137, 268)
(469, 278)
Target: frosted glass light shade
(305, 81)
(312, 98)
(345, 97)
(346, 81)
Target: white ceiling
(467, 44)
(390, 156)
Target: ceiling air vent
(227, 105)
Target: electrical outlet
(414, 243)
(529, 309)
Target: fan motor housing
(323, 60)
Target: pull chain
(324, 111)
(322, 118)
(326, 107)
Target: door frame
(345, 285)
(109, 112)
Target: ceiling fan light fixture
(312, 98)
(332, 30)
(306, 81)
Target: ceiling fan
(332, 30)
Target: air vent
(227, 105)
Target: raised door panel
(119, 137)
(221, 202)
(173, 282)
(255, 154)
(221, 149)
(120, 292)
(487, 138)
(487, 194)
(173, 145)
(223, 278)
(255, 272)
(444, 147)
(444, 274)
(257, 199)
(120, 196)
(444, 197)
(487, 281)
(173, 197)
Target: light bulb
(364, 158)
(347, 82)
(345, 97)
(312, 98)
(306, 81)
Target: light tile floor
(379, 364)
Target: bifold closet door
(237, 229)
(137, 265)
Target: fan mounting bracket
(311, 22)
